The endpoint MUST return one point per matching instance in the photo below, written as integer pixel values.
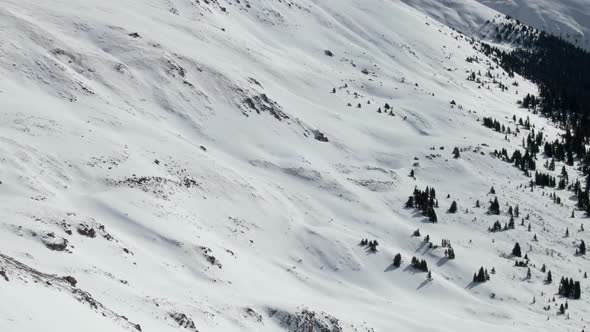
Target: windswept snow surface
(569, 19)
(163, 153)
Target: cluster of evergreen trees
(371, 244)
(425, 201)
(497, 226)
(524, 162)
(570, 288)
(559, 152)
(530, 101)
(544, 180)
(419, 264)
(533, 142)
(481, 276)
(494, 207)
(562, 73)
(496, 125)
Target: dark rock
(70, 280)
(318, 135)
(84, 230)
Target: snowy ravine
(212, 165)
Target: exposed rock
(183, 321)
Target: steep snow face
(213, 166)
(569, 19)
(466, 16)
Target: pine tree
(423, 266)
(456, 153)
(582, 248)
(453, 207)
(397, 260)
(494, 207)
(432, 215)
(516, 250)
(451, 253)
(577, 290)
(480, 276)
(549, 278)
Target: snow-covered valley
(213, 165)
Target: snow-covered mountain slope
(569, 19)
(213, 165)
(466, 16)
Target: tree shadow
(422, 245)
(391, 267)
(442, 261)
(370, 251)
(424, 283)
(473, 284)
(411, 269)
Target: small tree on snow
(453, 207)
(516, 250)
(397, 260)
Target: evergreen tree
(451, 253)
(582, 248)
(494, 207)
(516, 250)
(432, 215)
(397, 260)
(577, 290)
(453, 207)
(480, 276)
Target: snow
(95, 96)
(569, 19)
